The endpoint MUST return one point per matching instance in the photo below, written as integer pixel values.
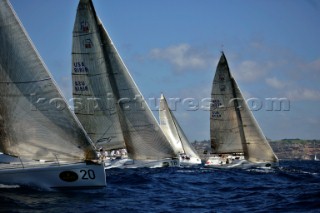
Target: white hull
(217, 162)
(115, 163)
(129, 163)
(46, 176)
(192, 161)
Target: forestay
(35, 121)
(94, 103)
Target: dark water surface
(293, 187)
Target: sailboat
(236, 138)
(112, 109)
(43, 143)
(315, 155)
(187, 154)
(94, 103)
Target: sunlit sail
(171, 128)
(112, 109)
(233, 128)
(36, 124)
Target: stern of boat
(63, 176)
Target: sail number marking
(80, 86)
(88, 174)
(79, 67)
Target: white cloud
(249, 71)
(294, 91)
(183, 57)
(275, 83)
(315, 65)
(303, 94)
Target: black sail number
(88, 174)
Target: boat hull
(191, 161)
(129, 163)
(68, 176)
(217, 162)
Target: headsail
(168, 126)
(172, 129)
(142, 134)
(233, 126)
(93, 97)
(257, 148)
(35, 121)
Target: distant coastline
(284, 149)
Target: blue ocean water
(293, 187)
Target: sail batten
(36, 122)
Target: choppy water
(293, 187)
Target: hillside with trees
(284, 149)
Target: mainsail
(142, 134)
(35, 121)
(232, 124)
(173, 131)
(224, 125)
(94, 102)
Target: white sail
(173, 130)
(142, 135)
(233, 126)
(93, 98)
(168, 126)
(256, 146)
(314, 148)
(35, 121)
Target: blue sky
(272, 46)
